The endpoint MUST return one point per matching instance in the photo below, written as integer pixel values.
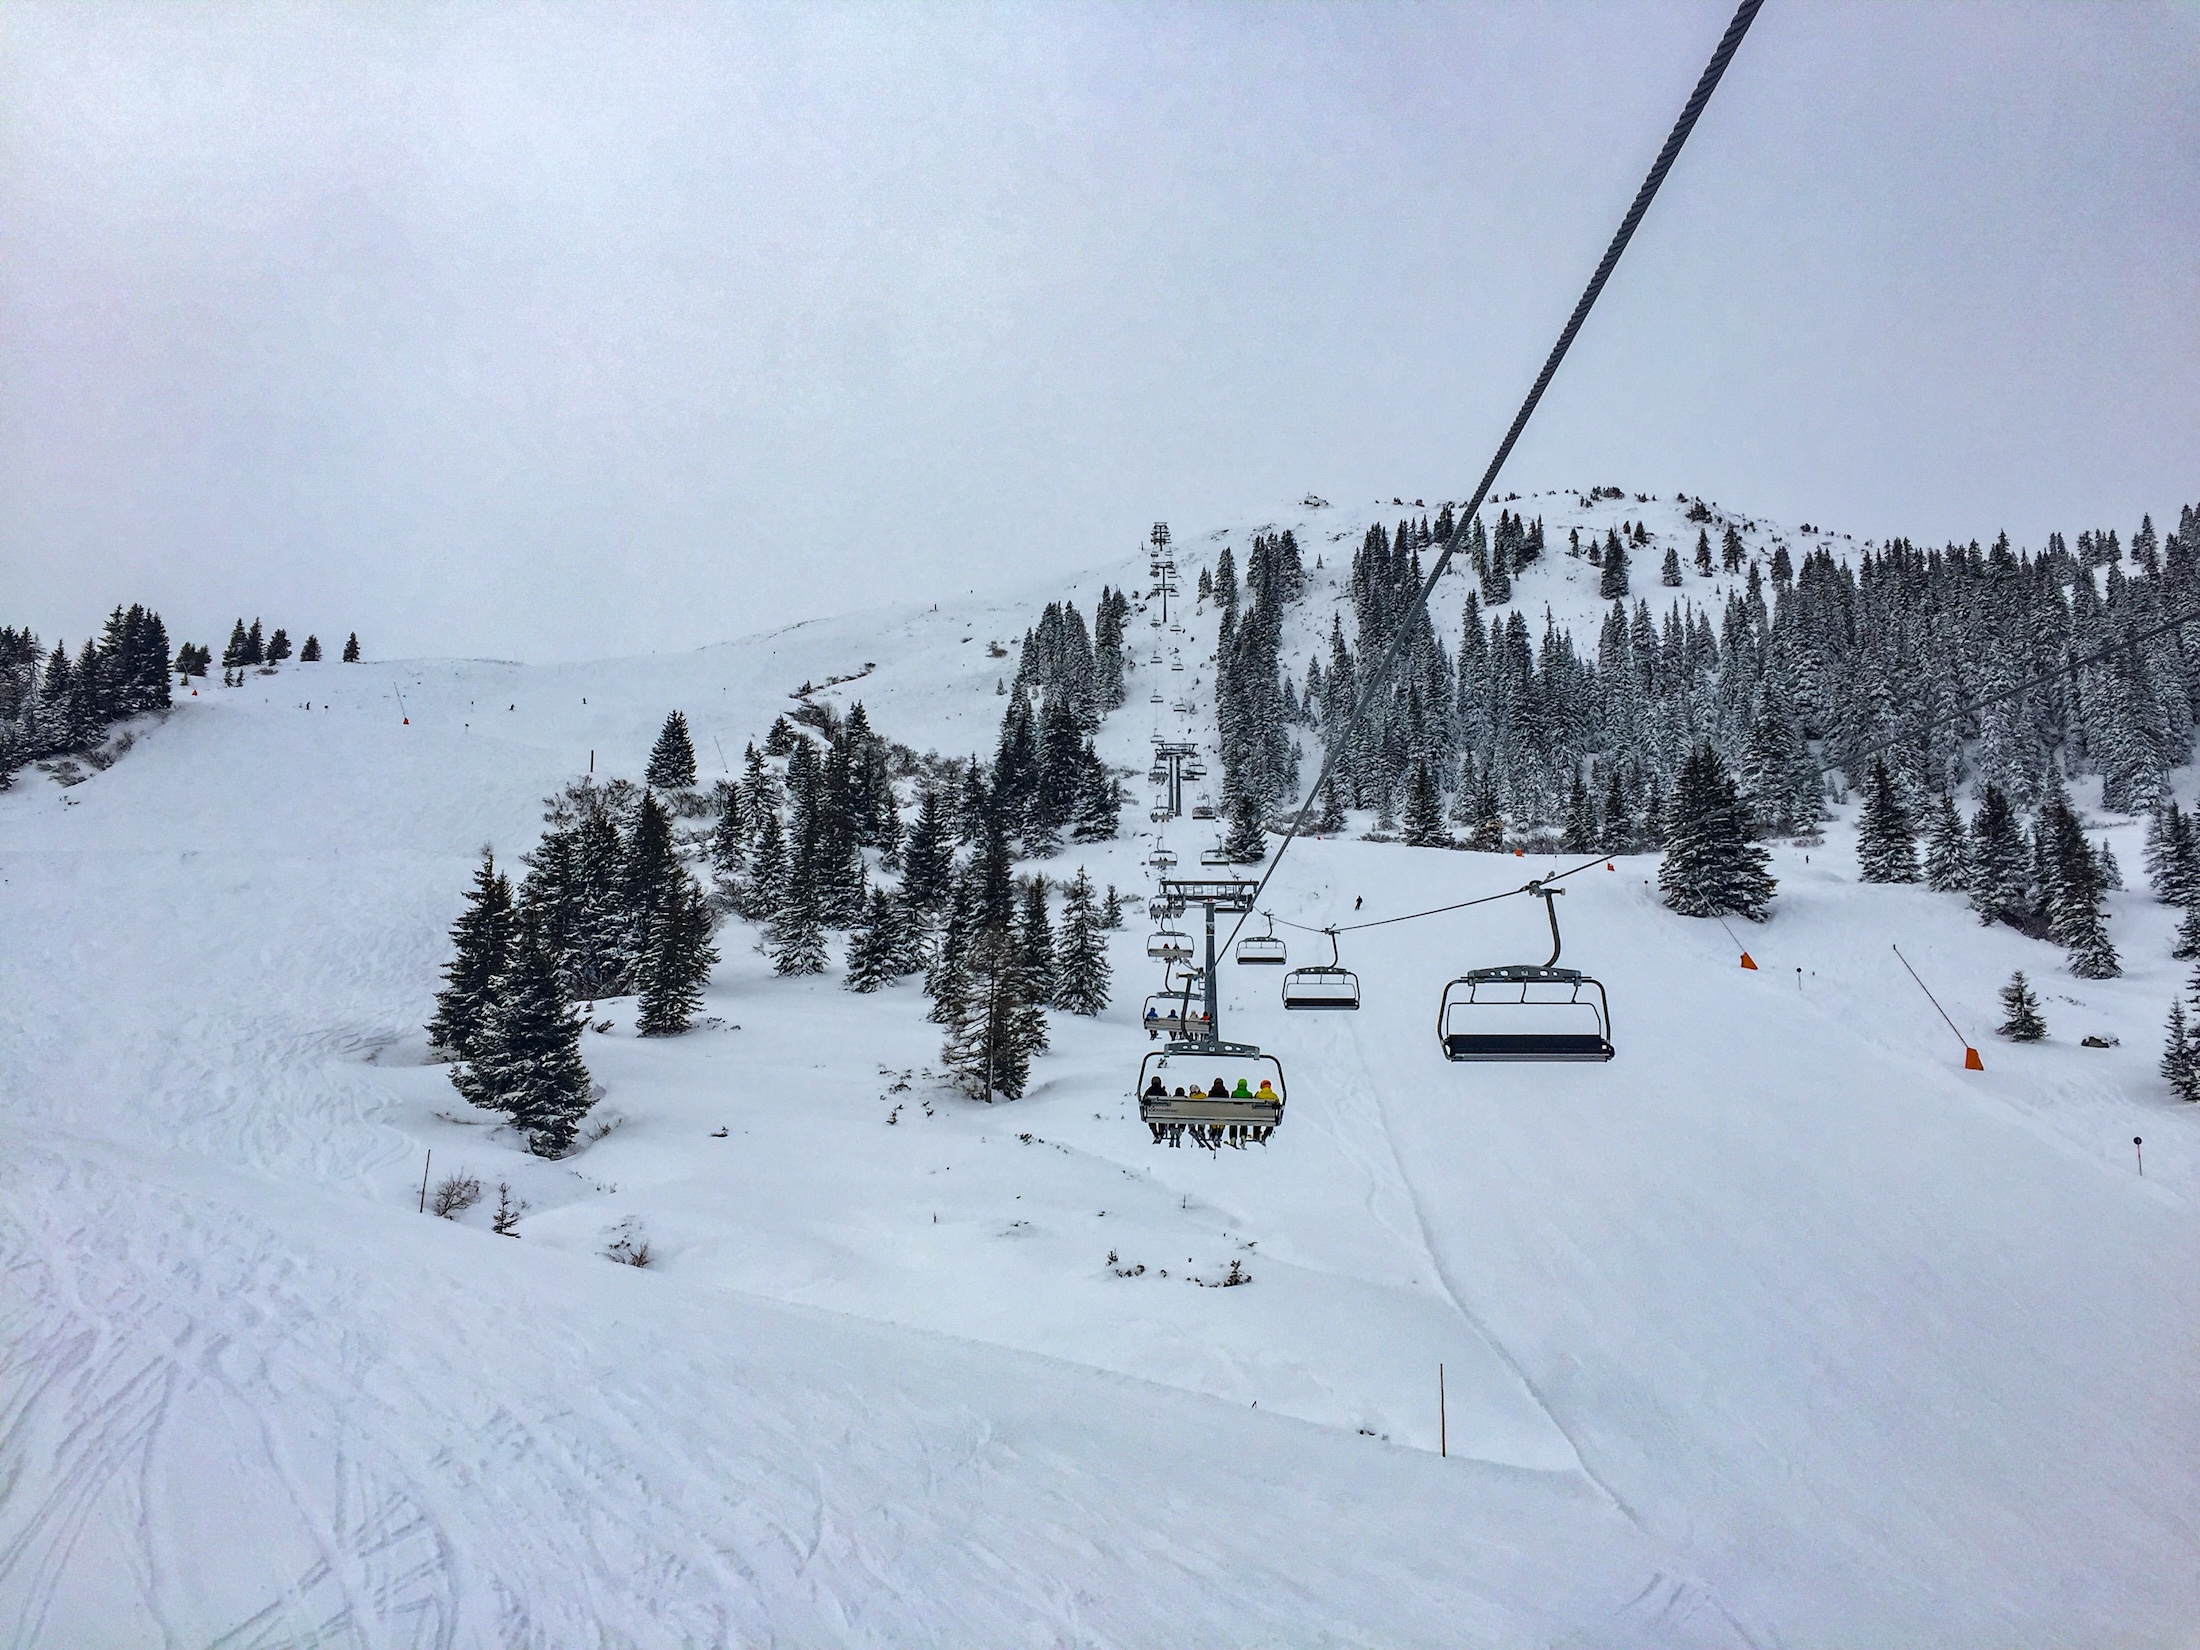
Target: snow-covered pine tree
(2075, 919)
(672, 758)
(255, 644)
(1703, 552)
(1670, 572)
(596, 959)
(351, 648)
(2000, 864)
(1423, 826)
(278, 646)
(1886, 847)
(1035, 942)
(1082, 976)
(2180, 1065)
(995, 1031)
(1616, 825)
(529, 1066)
(1582, 827)
(679, 962)
(2112, 874)
(878, 947)
(480, 941)
(1612, 581)
(1948, 855)
(646, 872)
(729, 838)
(795, 936)
(2187, 945)
(1245, 843)
(1328, 818)
(2172, 855)
(928, 858)
(310, 654)
(2021, 1008)
(1710, 866)
(233, 654)
(947, 978)
(1099, 801)
(761, 894)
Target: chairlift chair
(1322, 985)
(1203, 810)
(1262, 950)
(1217, 855)
(1171, 944)
(1155, 697)
(1215, 1093)
(1168, 1015)
(1527, 1011)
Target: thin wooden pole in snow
(2136, 1144)
(1443, 1429)
(1971, 1061)
(430, 1158)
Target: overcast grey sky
(550, 332)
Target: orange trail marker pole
(403, 714)
(1971, 1061)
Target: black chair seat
(1543, 1045)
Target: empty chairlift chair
(1322, 985)
(1526, 1011)
(1262, 950)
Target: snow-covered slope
(1781, 1328)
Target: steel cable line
(1440, 910)
(1744, 15)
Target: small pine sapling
(2022, 1005)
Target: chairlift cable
(1744, 15)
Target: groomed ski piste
(1780, 1329)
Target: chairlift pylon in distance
(1323, 985)
(1526, 1011)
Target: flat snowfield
(1780, 1329)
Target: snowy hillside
(1781, 1328)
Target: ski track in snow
(1776, 1330)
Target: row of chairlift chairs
(1514, 1012)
